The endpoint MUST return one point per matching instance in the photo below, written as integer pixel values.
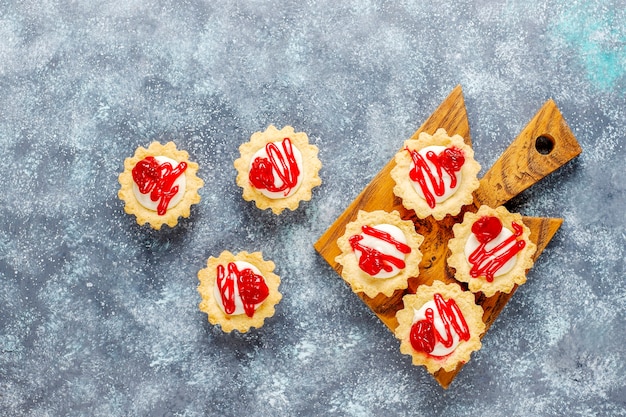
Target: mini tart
(238, 320)
(412, 316)
(351, 256)
(452, 199)
(180, 203)
(275, 183)
(465, 242)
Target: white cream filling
(262, 153)
(472, 244)
(241, 265)
(440, 349)
(445, 176)
(384, 247)
(181, 182)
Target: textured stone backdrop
(99, 317)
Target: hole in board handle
(544, 145)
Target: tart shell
(404, 185)
(145, 215)
(309, 170)
(361, 281)
(472, 313)
(239, 322)
(503, 283)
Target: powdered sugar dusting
(100, 317)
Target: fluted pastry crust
(361, 281)
(309, 169)
(501, 283)
(240, 322)
(182, 209)
(472, 314)
(404, 185)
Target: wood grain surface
(544, 145)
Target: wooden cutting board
(544, 145)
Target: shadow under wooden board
(544, 145)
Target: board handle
(545, 144)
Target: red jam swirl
(487, 262)
(284, 164)
(373, 261)
(424, 335)
(450, 160)
(252, 288)
(158, 180)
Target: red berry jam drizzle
(449, 160)
(373, 261)
(158, 180)
(286, 168)
(252, 288)
(425, 336)
(487, 262)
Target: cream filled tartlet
(491, 250)
(379, 252)
(440, 326)
(238, 291)
(435, 174)
(278, 169)
(159, 185)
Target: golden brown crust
(472, 313)
(361, 281)
(404, 185)
(240, 322)
(145, 215)
(309, 170)
(502, 283)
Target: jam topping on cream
(380, 250)
(436, 172)
(275, 169)
(438, 327)
(492, 248)
(159, 183)
(240, 288)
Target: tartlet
(423, 332)
(159, 185)
(278, 169)
(491, 250)
(379, 252)
(435, 174)
(238, 291)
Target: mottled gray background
(98, 316)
